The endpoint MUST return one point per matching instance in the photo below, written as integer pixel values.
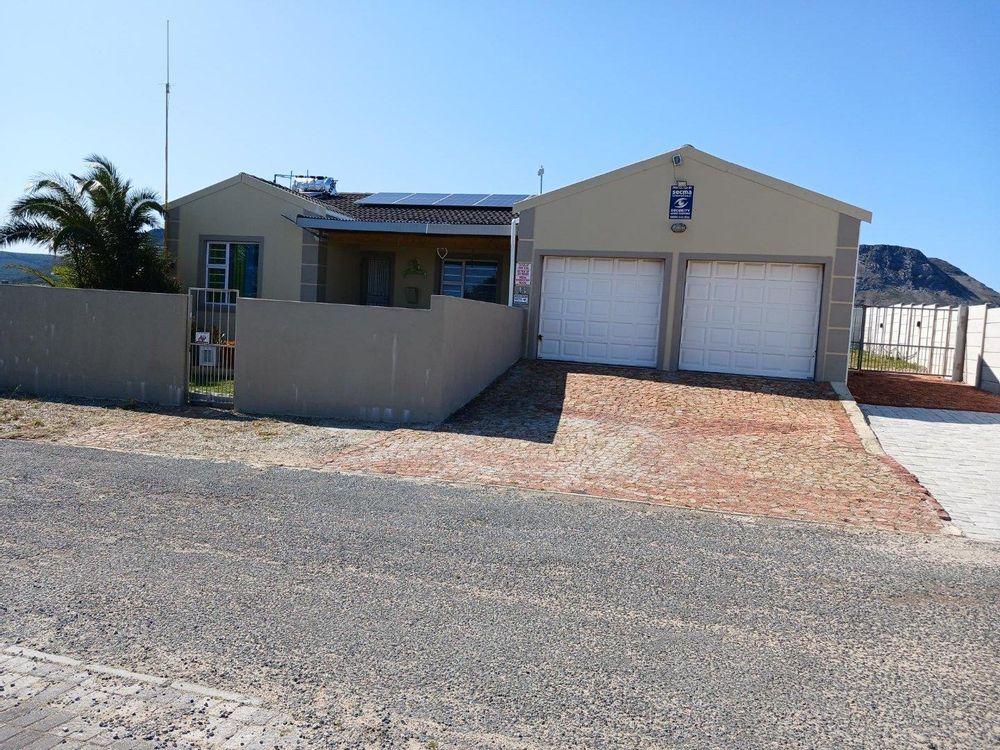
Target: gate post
(961, 334)
(861, 338)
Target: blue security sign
(681, 201)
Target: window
(471, 279)
(232, 265)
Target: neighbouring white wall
(94, 343)
(386, 364)
(989, 375)
(974, 344)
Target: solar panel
(499, 200)
(462, 199)
(383, 199)
(455, 200)
(421, 199)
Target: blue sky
(891, 106)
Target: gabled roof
(690, 152)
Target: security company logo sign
(681, 201)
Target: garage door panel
(718, 358)
(724, 292)
(802, 295)
(725, 314)
(698, 289)
(597, 330)
(596, 350)
(553, 284)
(751, 292)
(608, 310)
(720, 336)
(627, 287)
(751, 318)
(810, 274)
(652, 268)
(696, 312)
(779, 272)
(602, 265)
(725, 270)
(691, 359)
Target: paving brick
(714, 442)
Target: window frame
(465, 261)
(228, 241)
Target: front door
(376, 280)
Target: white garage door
(601, 310)
(751, 318)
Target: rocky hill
(890, 275)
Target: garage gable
(733, 207)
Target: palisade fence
(927, 339)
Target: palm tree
(98, 225)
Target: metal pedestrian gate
(212, 347)
(926, 339)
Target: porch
(392, 269)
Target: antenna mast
(166, 146)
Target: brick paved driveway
(726, 443)
(956, 454)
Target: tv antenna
(166, 146)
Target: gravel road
(395, 613)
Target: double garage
(758, 279)
(740, 317)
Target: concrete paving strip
(858, 420)
(955, 454)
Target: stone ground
(955, 454)
(749, 445)
(52, 701)
(919, 391)
(379, 612)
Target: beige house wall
(94, 343)
(248, 209)
(737, 214)
(385, 364)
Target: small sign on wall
(681, 201)
(203, 337)
(520, 300)
(522, 274)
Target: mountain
(983, 292)
(890, 275)
(42, 261)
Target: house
(315, 244)
(685, 261)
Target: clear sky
(891, 106)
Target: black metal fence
(906, 338)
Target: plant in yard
(98, 225)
